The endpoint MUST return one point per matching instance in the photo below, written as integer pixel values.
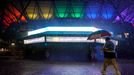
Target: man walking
(109, 56)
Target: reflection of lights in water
(73, 69)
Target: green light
(62, 15)
(76, 15)
(77, 8)
(60, 10)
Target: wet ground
(30, 67)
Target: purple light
(117, 18)
(127, 15)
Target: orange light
(23, 19)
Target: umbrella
(98, 34)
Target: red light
(5, 22)
(14, 10)
(11, 15)
(23, 19)
(8, 19)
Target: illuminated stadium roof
(23, 10)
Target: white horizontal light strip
(90, 29)
(65, 39)
(71, 39)
(36, 31)
(79, 29)
(34, 40)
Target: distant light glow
(3, 50)
(68, 29)
(126, 34)
(13, 44)
(34, 40)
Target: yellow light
(47, 12)
(47, 16)
(32, 16)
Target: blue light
(93, 15)
(93, 10)
(107, 11)
(67, 29)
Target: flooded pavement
(30, 67)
